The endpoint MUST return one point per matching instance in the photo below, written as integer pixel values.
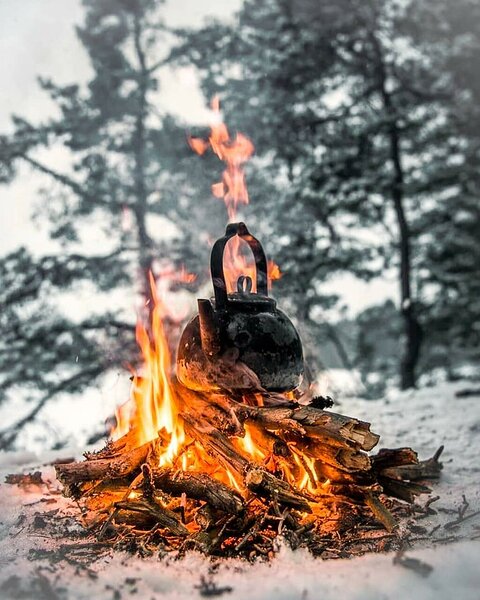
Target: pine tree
(127, 165)
(349, 107)
(449, 225)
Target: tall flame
(153, 407)
(234, 152)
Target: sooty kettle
(246, 325)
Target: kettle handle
(216, 262)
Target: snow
(423, 419)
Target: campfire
(230, 450)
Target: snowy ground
(37, 564)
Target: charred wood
(198, 486)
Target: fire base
(250, 474)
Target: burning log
(343, 459)
(198, 486)
(227, 415)
(255, 478)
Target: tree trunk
(139, 154)
(412, 327)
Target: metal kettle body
(243, 327)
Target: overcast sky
(37, 38)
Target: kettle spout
(209, 331)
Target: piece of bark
(103, 466)
(198, 486)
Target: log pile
(310, 481)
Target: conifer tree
(126, 176)
(349, 105)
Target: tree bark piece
(104, 465)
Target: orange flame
(235, 152)
(153, 406)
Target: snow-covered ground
(36, 563)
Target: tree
(127, 165)
(450, 223)
(349, 105)
(271, 72)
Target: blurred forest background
(364, 188)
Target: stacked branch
(126, 487)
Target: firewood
(254, 477)
(418, 470)
(227, 415)
(198, 486)
(164, 517)
(330, 426)
(266, 485)
(104, 466)
(393, 457)
(404, 490)
(296, 460)
(343, 459)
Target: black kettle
(243, 326)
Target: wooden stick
(381, 512)
(164, 517)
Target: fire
(154, 409)
(234, 152)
